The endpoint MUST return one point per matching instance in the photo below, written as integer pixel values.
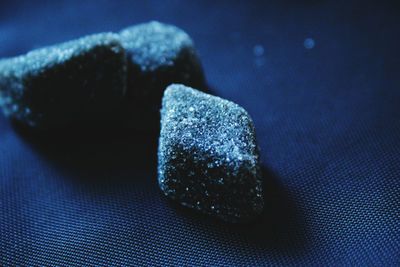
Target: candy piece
(158, 55)
(81, 81)
(208, 157)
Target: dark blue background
(327, 119)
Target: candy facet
(208, 157)
(82, 80)
(158, 55)
(92, 79)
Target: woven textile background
(321, 81)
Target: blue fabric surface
(328, 125)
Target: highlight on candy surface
(158, 55)
(100, 78)
(208, 158)
(81, 80)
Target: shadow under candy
(101, 156)
(113, 157)
(280, 227)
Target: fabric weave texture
(320, 80)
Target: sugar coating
(208, 158)
(158, 55)
(80, 80)
(153, 45)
